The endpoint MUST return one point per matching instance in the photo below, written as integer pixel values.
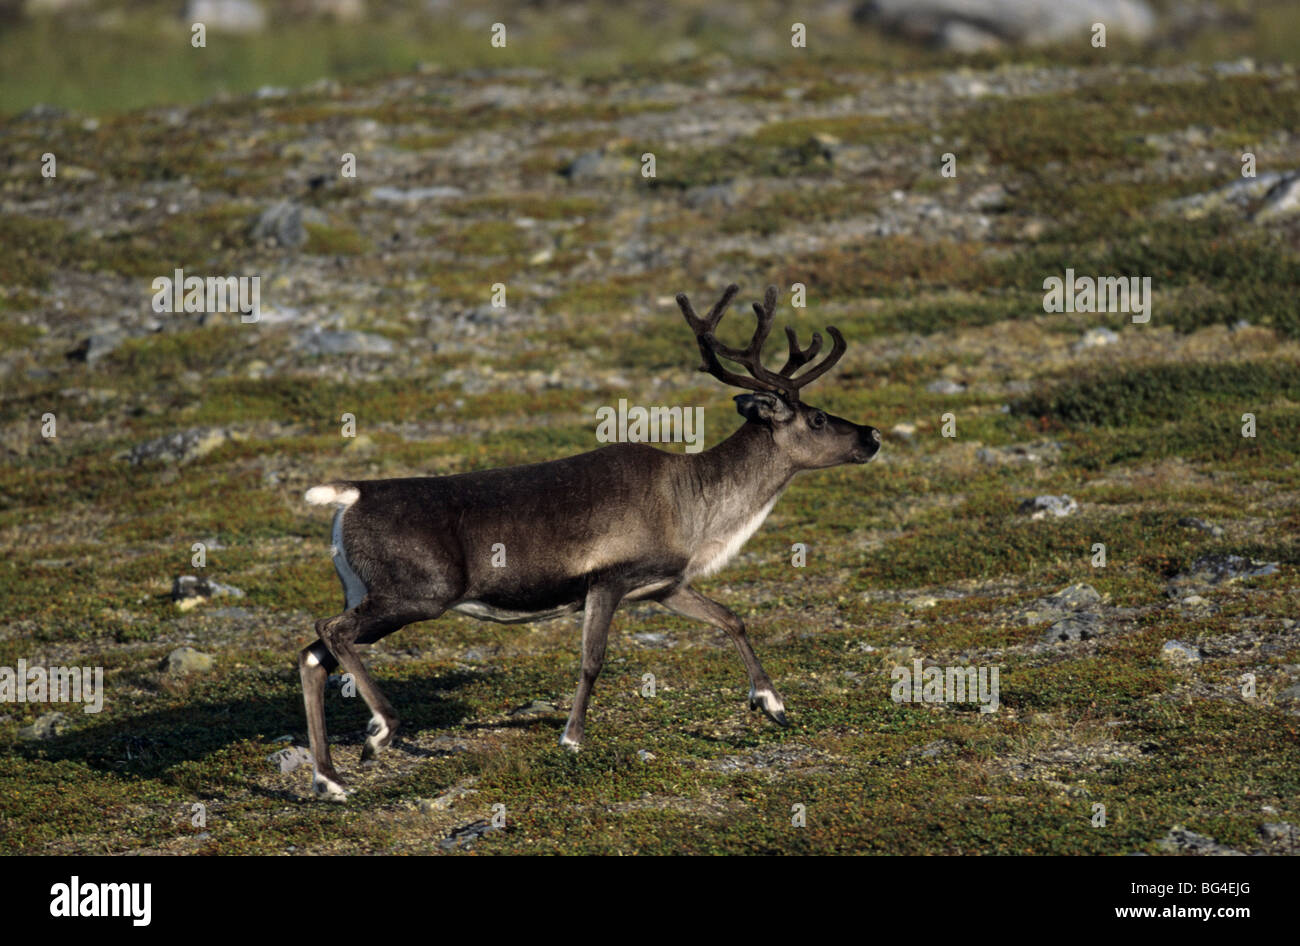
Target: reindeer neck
(746, 465)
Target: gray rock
(1176, 652)
(1193, 522)
(96, 346)
(977, 25)
(285, 224)
(595, 165)
(181, 447)
(1181, 841)
(535, 708)
(653, 639)
(1041, 507)
(344, 343)
(466, 835)
(1280, 831)
(1071, 598)
(1218, 569)
(186, 660)
(991, 198)
(413, 194)
(715, 196)
(945, 386)
(1096, 338)
(1077, 627)
(45, 727)
(192, 586)
(1035, 452)
(289, 758)
(1290, 696)
(1282, 200)
(1239, 195)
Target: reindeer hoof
(770, 704)
(379, 734)
(327, 789)
(573, 745)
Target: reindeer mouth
(867, 451)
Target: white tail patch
(324, 495)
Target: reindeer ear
(763, 408)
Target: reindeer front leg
(690, 603)
(598, 612)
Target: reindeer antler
(749, 357)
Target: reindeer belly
(489, 612)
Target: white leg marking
(327, 789)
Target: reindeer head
(809, 437)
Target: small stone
(466, 835)
(1193, 522)
(186, 660)
(1076, 627)
(1217, 570)
(1282, 201)
(945, 386)
(191, 586)
(1071, 598)
(645, 755)
(1177, 652)
(1096, 338)
(182, 447)
(1280, 831)
(1289, 696)
(1181, 841)
(344, 343)
(413, 194)
(653, 639)
(94, 347)
(45, 727)
(1041, 507)
(285, 224)
(535, 708)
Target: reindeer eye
(817, 420)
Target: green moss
(334, 241)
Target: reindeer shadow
(161, 744)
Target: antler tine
(838, 347)
(798, 358)
(707, 324)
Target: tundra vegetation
(1166, 691)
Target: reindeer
(626, 522)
